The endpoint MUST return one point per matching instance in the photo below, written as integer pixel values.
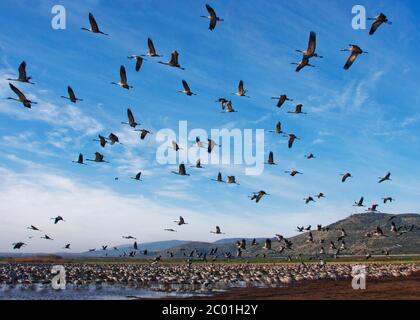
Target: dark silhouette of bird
(131, 121)
(293, 172)
(212, 17)
(373, 208)
(345, 176)
(231, 180)
(98, 158)
(302, 64)
(137, 177)
(173, 62)
(129, 237)
(379, 20)
(181, 221)
(22, 74)
(278, 129)
(139, 61)
(219, 178)
(309, 199)
(267, 244)
(46, 237)
(170, 230)
(320, 195)
(123, 79)
(187, 89)
(388, 199)
(281, 100)
(210, 145)
(198, 164)
(385, 178)
(257, 196)
(18, 245)
(102, 141)
(222, 102)
(292, 139)
(93, 26)
(32, 227)
(241, 90)
(217, 231)
(270, 160)
(80, 159)
(359, 203)
(71, 95)
(151, 49)
(57, 219)
(21, 97)
(355, 51)
(67, 246)
(310, 156)
(143, 133)
(181, 170)
(298, 110)
(113, 139)
(310, 51)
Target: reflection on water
(91, 292)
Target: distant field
(357, 259)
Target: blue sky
(364, 121)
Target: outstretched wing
(70, 91)
(17, 92)
(93, 24)
(22, 71)
(312, 43)
(139, 62)
(152, 50)
(130, 116)
(123, 75)
(350, 61)
(375, 26)
(185, 85)
(211, 12)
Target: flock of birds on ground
(226, 106)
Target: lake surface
(90, 293)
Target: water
(39, 292)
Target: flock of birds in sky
(226, 106)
